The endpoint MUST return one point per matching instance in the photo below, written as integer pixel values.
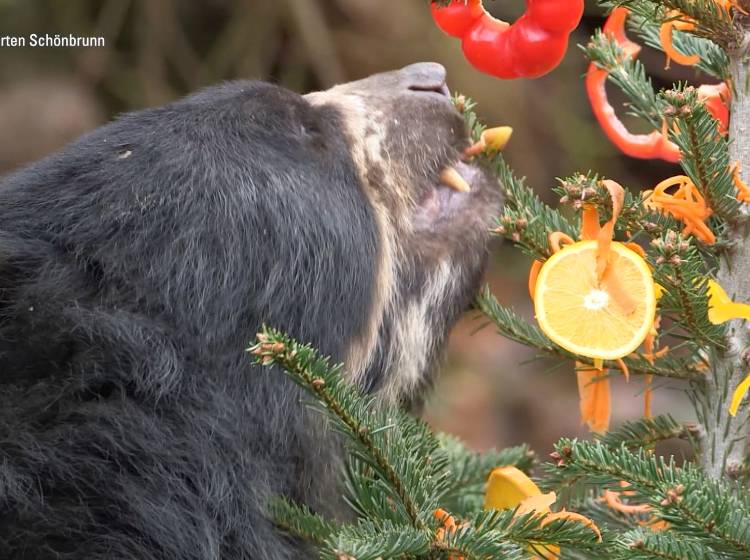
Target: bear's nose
(426, 76)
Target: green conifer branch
(351, 411)
(469, 471)
(526, 220)
(300, 521)
(713, 22)
(644, 544)
(713, 59)
(705, 151)
(645, 432)
(418, 478)
(629, 75)
(369, 540)
(690, 501)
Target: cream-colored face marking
(410, 344)
(372, 132)
(366, 151)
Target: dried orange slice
(605, 319)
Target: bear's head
(162, 241)
(403, 132)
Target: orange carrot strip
(595, 400)
(685, 204)
(556, 240)
(665, 36)
(613, 501)
(590, 222)
(743, 190)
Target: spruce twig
(313, 373)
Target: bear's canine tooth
(451, 178)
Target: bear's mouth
(450, 192)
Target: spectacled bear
(137, 264)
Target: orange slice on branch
(603, 316)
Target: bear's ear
(303, 126)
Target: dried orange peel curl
(508, 487)
(448, 526)
(685, 204)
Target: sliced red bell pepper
(528, 48)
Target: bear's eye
(312, 135)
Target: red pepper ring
(716, 98)
(531, 47)
(646, 146)
(656, 144)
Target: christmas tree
(422, 495)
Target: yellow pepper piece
(491, 141)
(507, 487)
(497, 138)
(739, 394)
(658, 291)
(720, 306)
(539, 503)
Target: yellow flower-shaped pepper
(508, 487)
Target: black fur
(135, 267)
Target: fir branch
(693, 504)
(526, 530)
(713, 22)
(526, 220)
(469, 472)
(400, 467)
(713, 59)
(477, 540)
(635, 217)
(644, 433)
(681, 271)
(376, 541)
(629, 75)
(705, 151)
(644, 544)
(300, 521)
